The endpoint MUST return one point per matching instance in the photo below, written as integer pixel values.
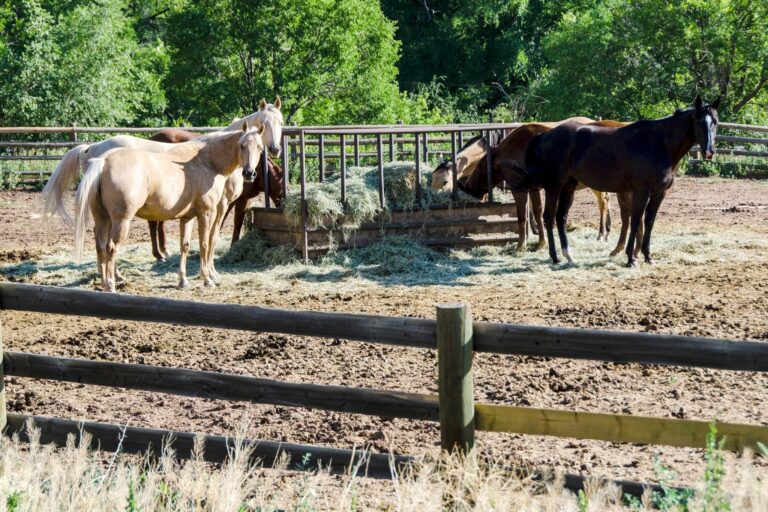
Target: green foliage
(13, 501)
(332, 61)
(715, 499)
(655, 56)
(80, 64)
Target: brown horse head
(507, 159)
(705, 125)
(276, 193)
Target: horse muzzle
(709, 154)
(249, 175)
(274, 151)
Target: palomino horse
(68, 169)
(641, 158)
(187, 181)
(474, 150)
(250, 190)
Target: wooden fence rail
(453, 333)
(510, 339)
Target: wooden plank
(107, 437)
(455, 379)
(745, 140)
(620, 347)
(401, 331)
(220, 386)
(743, 127)
(614, 427)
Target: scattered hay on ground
(253, 249)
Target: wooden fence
(453, 333)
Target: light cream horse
(67, 171)
(469, 156)
(184, 182)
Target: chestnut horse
(187, 181)
(641, 158)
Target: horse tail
(62, 179)
(89, 187)
(528, 177)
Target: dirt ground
(711, 280)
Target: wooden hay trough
(459, 226)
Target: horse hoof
(184, 283)
(631, 264)
(649, 260)
(209, 284)
(615, 253)
(555, 261)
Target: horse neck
(679, 135)
(221, 154)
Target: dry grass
(40, 477)
(399, 261)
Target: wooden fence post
(454, 359)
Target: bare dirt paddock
(711, 279)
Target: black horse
(642, 158)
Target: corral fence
(31, 152)
(453, 333)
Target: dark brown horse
(508, 158)
(641, 158)
(250, 190)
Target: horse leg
(650, 219)
(238, 220)
(564, 205)
(552, 195)
(161, 239)
(639, 203)
(214, 237)
(521, 204)
(204, 225)
(185, 231)
(607, 199)
(101, 231)
(601, 208)
(625, 208)
(153, 236)
(117, 235)
(537, 210)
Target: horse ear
(697, 102)
(261, 128)
(262, 104)
(278, 103)
(716, 104)
(245, 126)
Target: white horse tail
(89, 186)
(63, 178)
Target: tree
(330, 60)
(67, 62)
(629, 59)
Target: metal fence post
(303, 177)
(455, 381)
